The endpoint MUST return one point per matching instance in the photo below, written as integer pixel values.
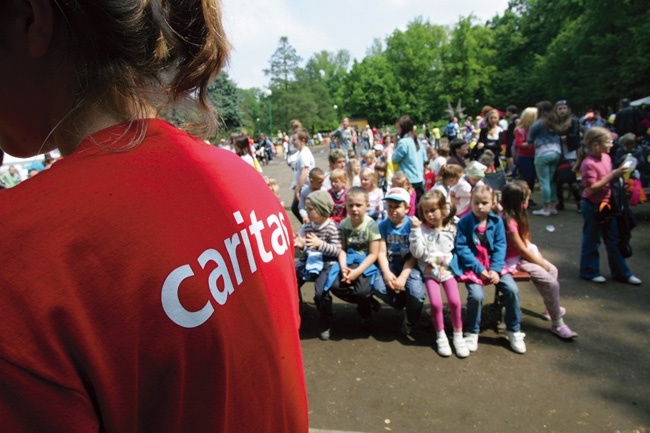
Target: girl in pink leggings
(432, 243)
(524, 256)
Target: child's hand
(485, 276)
(619, 172)
(494, 277)
(400, 284)
(390, 280)
(299, 241)
(351, 275)
(313, 241)
(415, 222)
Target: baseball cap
(398, 194)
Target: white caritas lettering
(226, 267)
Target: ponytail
(134, 54)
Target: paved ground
(377, 380)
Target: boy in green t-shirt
(360, 239)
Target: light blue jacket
(411, 160)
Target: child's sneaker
(407, 328)
(461, 346)
(443, 345)
(471, 340)
(547, 315)
(563, 331)
(517, 341)
(324, 334)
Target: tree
(225, 97)
(467, 65)
(371, 89)
(414, 57)
(284, 64)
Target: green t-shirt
(359, 238)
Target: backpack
(450, 130)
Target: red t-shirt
(148, 291)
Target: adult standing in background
(304, 163)
(569, 130)
(346, 136)
(544, 135)
(524, 152)
(513, 118)
(459, 149)
(628, 119)
(410, 154)
(144, 289)
(492, 137)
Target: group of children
(422, 249)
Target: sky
(254, 27)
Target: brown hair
(402, 180)
(357, 191)
(438, 199)
(301, 134)
(547, 116)
(316, 172)
(406, 129)
(513, 196)
(241, 144)
(443, 150)
(450, 171)
(132, 53)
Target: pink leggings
(453, 299)
(547, 285)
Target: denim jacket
(465, 251)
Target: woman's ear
(30, 24)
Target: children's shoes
(471, 340)
(443, 344)
(563, 331)
(460, 345)
(517, 341)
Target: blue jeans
(592, 232)
(412, 298)
(475, 296)
(545, 167)
(527, 170)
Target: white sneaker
(599, 279)
(542, 212)
(443, 345)
(633, 280)
(324, 334)
(461, 346)
(517, 341)
(471, 340)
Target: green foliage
(225, 97)
(415, 58)
(468, 65)
(371, 89)
(589, 52)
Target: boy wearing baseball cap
(401, 285)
